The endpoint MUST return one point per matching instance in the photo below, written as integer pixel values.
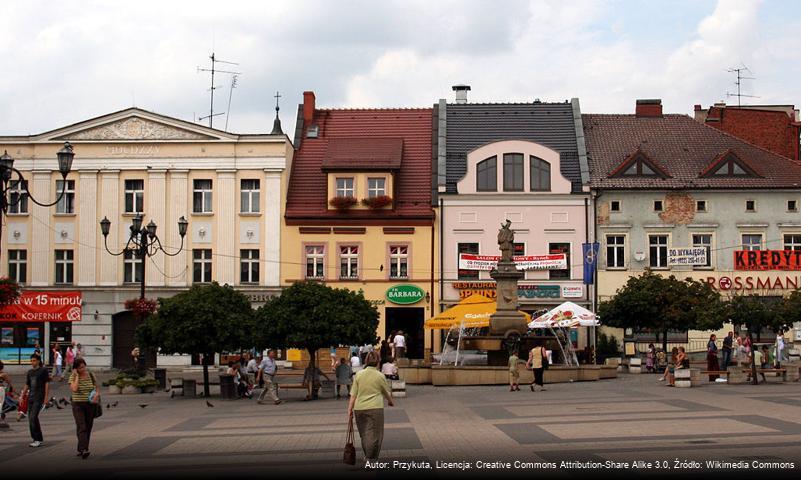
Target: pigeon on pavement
(142, 405)
(208, 404)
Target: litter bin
(160, 374)
(227, 387)
(190, 388)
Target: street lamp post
(144, 242)
(7, 171)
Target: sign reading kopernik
(405, 294)
(695, 256)
(44, 307)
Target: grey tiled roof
(472, 125)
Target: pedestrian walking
(728, 345)
(7, 402)
(514, 372)
(355, 361)
(738, 352)
(267, 371)
(400, 345)
(385, 352)
(650, 356)
(85, 404)
(332, 352)
(366, 404)
(778, 349)
(536, 361)
(58, 360)
(37, 388)
(712, 357)
(344, 374)
(391, 339)
(70, 357)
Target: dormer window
(345, 187)
(540, 174)
(728, 164)
(639, 164)
(487, 175)
(376, 187)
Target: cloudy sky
(68, 61)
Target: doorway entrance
(123, 326)
(411, 321)
(61, 334)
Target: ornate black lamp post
(7, 171)
(143, 241)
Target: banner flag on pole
(590, 252)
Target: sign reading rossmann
(767, 260)
(44, 307)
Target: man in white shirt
(400, 345)
(355, 361)
(267, 371)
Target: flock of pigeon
(63, 402)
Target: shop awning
(566, 315)
(472, 312)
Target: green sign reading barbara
(405, 294)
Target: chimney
(308, 107)
(649, 107)
(697, 107)
(461, 92)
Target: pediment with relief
(135, 128)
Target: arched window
(487, 175)
(540, 174)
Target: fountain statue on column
(507, 320)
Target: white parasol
(566, 315)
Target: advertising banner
(767, 260)
(44, 307)
(695, 256)
(557, 261)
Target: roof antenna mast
(214, 70)
(739, 71)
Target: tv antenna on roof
(739, 71)
(214, 70)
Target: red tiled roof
(360, 153)
(379, 130)
(684, 147)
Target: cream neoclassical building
(229, 187)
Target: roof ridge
(368, 109)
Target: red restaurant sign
(767, 260)
(44, 307)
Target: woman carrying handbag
(538, 361)
(366, 406)
(85, 403)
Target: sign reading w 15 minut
(696, 256)
(557, 261)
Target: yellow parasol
(472, 312)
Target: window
(615, 251)
(750, 205)
(700, 206)
(398, 261)
(18, 265)
(540, 173)
(18, 197)
(487, 175)
(704, 240)
(614, 206)
(752, 241)
(315, 261)
(519, 249)
(134, 196)
(345, 187)
(201, 265)
(249, 266)
(792, 241)
(560, 248)
(349, 262)
(471, 248)
(512, 172)
(201, 196)
(792, 206)
(640, 166)
(730, 166)
(249, 196)
(133, 267)
(67, 202)
(64, 266)
(657, 250)
(376, 187)
(657, 205)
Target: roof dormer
(729, 164)
(639, 164)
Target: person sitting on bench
(390, 370)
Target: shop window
(562, 274)
(315, 262)
(657, 251)
(249, 266)
(471, 248)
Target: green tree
(204, 320)
(661, 304)
(311, 315)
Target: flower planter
(342, 203)
(130, 390)
(114, 390)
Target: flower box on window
(141, 307)
(342, 203)
(378, 202)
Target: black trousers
(34, 408)
(84, 413)
(539, 373)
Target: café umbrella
(566, 315)
(472, 312)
